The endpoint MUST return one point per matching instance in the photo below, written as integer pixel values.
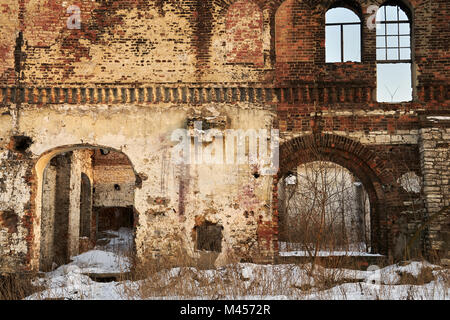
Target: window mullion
(398, 31)
(342, 43)
(385, 37)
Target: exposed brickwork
(244, 24)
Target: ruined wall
(244, 27)
(138, 70)
(169, 199)
(435, 159)
(114, 180)
(47, 246)
(9, 31)
(80, 163)
(15, 199)
(114, 186)
(129, 42)
(15, 222)
(60, 207)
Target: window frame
(410, 21)
(398, 22)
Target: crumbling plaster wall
(15, 197)
(229, 195)
(15, 222)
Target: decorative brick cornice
(194, 93)
(185, 93)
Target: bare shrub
(324, 208)
(17, 286)
(425, 276)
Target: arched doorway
(323, 205)
(355, 162)
(85, 198)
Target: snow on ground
(246, 281)
(243, 281)
(120, 241)
(75, 286)
(97, 261)
(365, 291)
(301, 253)
(295, 250)
(72, 281)
(109, 257)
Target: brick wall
(244, 25)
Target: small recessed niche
(209, 237)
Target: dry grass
(17, 286)
(193, 275)
(425, 276)
(183, 277)
(195, 279)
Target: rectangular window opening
(209, 237)
(394, 82)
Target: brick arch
(355, 157)
(313, 4)
(348, 4)
(406, 6)
(337, 147)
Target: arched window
(394, 55)
(342, 35)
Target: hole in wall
(21, 143)
(209, 237)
